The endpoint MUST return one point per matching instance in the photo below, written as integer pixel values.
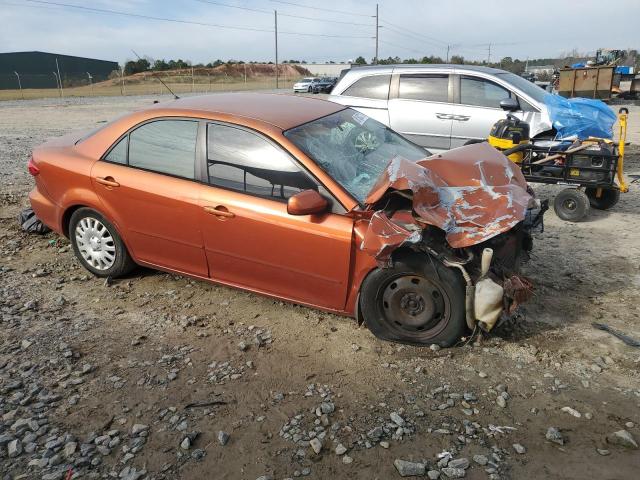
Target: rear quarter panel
(65, 179)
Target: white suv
(442, 106)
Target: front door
(422, 111)
(147, 188)
(251, 241)
(478, 110)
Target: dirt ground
(135, 379)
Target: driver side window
(482, 93)
(246, 162)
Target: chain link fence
(197, 81)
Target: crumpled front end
(466, 207)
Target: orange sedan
(295, 198)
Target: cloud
(541, 30)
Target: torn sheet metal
(472, 193)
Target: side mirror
(306, 202)
(509, 104)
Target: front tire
(97, 244)
(571, 205)
(608, 198)
(418, 301)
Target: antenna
(176, 97)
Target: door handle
(107, 181)
(219, 211)
(461, 118)
(444, 116)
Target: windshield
(524, 85)
(353, 148)
(307, 80)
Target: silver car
(306, 84)
(442, 106)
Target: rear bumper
(45, 210)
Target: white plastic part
(487, 304)
(487, 256)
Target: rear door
(420, 108)
(478, 108)
(370, 96)
(250, 239)
(147, 186)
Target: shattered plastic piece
(580, 117)
(32, 224)
(473, 193)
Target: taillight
(32, 167)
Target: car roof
(283, 111)
(422, 66)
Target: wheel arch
(69, 211)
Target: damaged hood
(472, 193)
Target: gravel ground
(159, 376)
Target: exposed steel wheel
(414, 303)
(417, 301)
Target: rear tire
(608, 198)
(418, 301)
(98, 245)
(571, 205)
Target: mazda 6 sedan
(292, 197)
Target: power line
(322, 9)
(147, 17)
(187, 22)
(280, 14)
(397, 32)
(420, 35)
(402, 47)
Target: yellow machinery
(509, 133)
(591, 168)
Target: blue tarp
(580, 117)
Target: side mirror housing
(306, 202)
(509, 104)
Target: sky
(409, 28)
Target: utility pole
(59, 78)
(377, 30)
(489, 55)
(275, 13)
(19, 85)
(192, 80)
(90, 82)
(448, 47)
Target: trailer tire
(571, 205)
(607, 200)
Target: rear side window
(431, 88)
(246, 162)
(374, 86)
(165, 146)
(118, 154)
(482, 93)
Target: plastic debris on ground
(32, 224)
